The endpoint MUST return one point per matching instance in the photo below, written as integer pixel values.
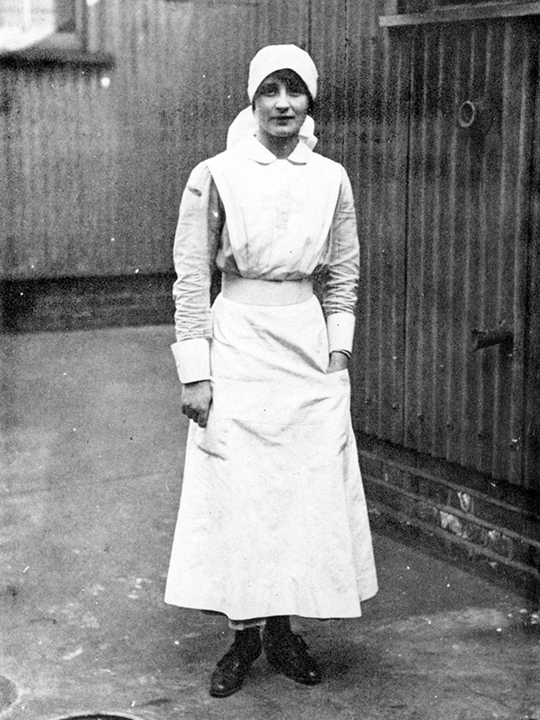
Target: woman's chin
(284, 133)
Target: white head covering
(268, 60)
(281, 57)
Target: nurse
(272, 520)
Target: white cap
(280, 57)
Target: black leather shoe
(288, 654)
(233, 667)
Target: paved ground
(89, 485)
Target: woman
(272, 520)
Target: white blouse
(252, 214)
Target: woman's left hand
(338, 361)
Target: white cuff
(192, 359)
(340, 327)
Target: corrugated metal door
(472, 116)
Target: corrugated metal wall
(96, 159)
(328, 44)
(531, 470)
(181, 76)
(375, 154)
(58, 124)
(469, 195)
(445, 227)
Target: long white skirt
(272, 518)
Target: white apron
(272, 518)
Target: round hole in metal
(467, 114)
(8, 693)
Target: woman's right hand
(196, 401)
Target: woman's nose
(283, 99)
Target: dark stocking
(248, 640)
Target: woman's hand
(196, 401)
(338, 361)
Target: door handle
(500, 335)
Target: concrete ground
(90, 471)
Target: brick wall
(500, 530)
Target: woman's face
(281, 104)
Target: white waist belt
(265, 292)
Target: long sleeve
(197, 236)
(341, 284)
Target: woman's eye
(295, 90)
(268, 90)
